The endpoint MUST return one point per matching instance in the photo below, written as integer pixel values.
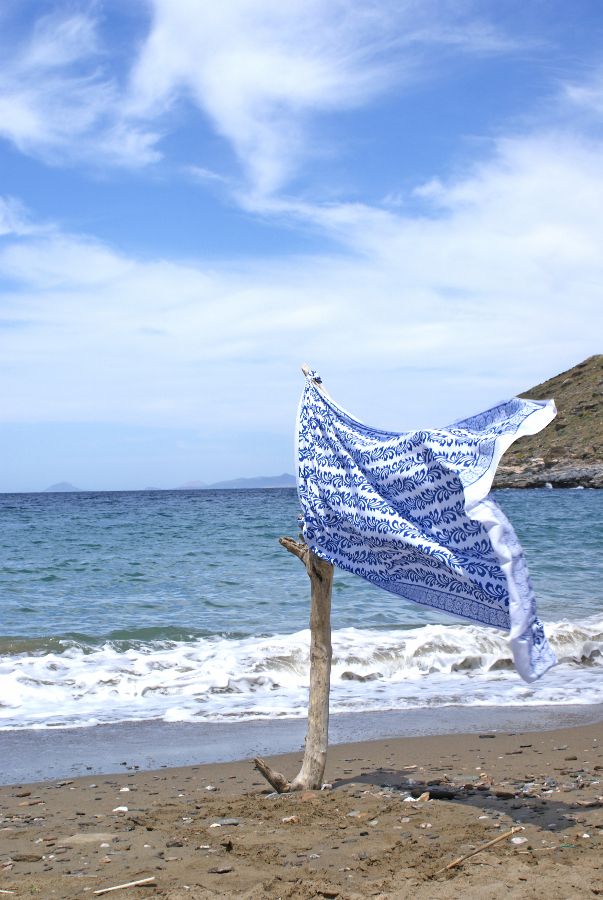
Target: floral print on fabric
(404, 512)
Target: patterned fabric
(410, 513)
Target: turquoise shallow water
(182, 604)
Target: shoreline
(397, 812)
(37, 755)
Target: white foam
(222, 679)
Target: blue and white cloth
(410, 513)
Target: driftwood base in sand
(310, 776)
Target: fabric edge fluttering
(544, 413)
(532, 654)
(531, 651)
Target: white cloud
(56, 102)
(14, 219)
(495, 287)
(586, 95)
(263, 71)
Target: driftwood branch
(311, 774)
(496, 840)
(128, 884)
(278, 781)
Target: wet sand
(216, 830)
(39, 755)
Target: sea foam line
(221, 679)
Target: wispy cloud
(586, 95)
(491, 287)
(14, 219)
(263, 72)
(58, 104)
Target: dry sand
(362, 838)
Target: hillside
(569, 452)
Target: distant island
(237, 484)
(569, 451)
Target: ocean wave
(70, 682)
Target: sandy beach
(398, 811)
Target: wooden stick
(491, 843)
(320, 574)
(6, 892)
(278, 781)
(128, 884)
(311, 774)
(312, 771)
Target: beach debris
(290, 820)
(120, 809)
(127, 884)
(6, 892)
(220, 870)
(91, 837)
(220, 823)
(461, 859)
(519, 840)
(504, 794)
(211, 787)
(423, 797)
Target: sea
(181, 606)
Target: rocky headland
(569, 452)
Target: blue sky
(195, 198)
